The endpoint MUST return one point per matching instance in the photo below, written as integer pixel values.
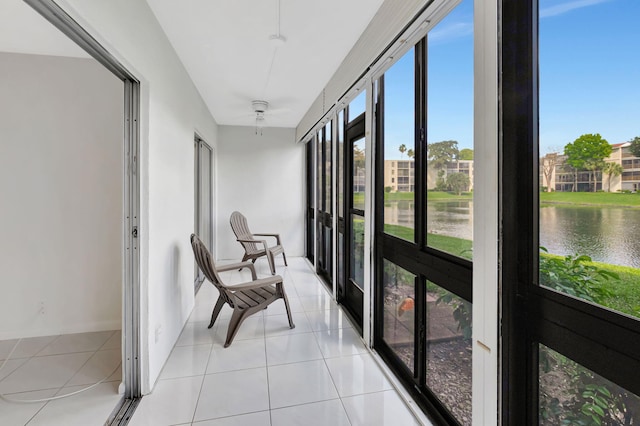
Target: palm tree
(612, 169)
(410, 153)
(402, 148)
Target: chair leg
(245, 257)
(286, 305)
(284, 256)
(216, 310)
(237, 318)
(271, 260)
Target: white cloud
(559, 9)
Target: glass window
(328, 163)
(399, 147)
(399, 312)
(571, 394)
(358, 166)
(450, 133)
(589, 216)
(449, 350)
(340, 165)
(357, 106)
(357, 256)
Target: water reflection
(399, 213)
(450, 218)
(606, 234)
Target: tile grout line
(206, 367)
(60, 388)
(46, 346)
(266, 366)
(324, 359)
(109, 338)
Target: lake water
(606, 234)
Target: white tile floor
(319, 373)
(44, 367)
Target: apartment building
(399, 175)
(556, 174)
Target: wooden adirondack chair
(245, 299)
(255, 248)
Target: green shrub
(574, 276)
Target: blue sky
(589, 76)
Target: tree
(441, 185)
(612, 169)
(458, 182)
(441, 153)
(411, 153)
(466, 154)
(548, 164)
(587, 153)
(402, 148)
(358, 158)
(635, 146)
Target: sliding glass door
(324, 203)
(309, 201)
(351, 294)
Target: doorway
(351, 295)
(324, 223)
(203, 208)
(131, 372)
(309, 198)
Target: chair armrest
(276, 236)
(239, 265)
(230, 266)
(262, 282)
(263, 242)
(246, 240)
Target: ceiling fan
(259, 107)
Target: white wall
(61, 185)
(261, 176)
(171, 111)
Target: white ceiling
(225, 47)
(23, 30)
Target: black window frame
(450, 272)
(605, 342)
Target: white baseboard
(85, 327)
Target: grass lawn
(624, 292)
(578, 198)
(455, 246)
(358, 197)
(591, 198)
(410, 196)
(438, 195)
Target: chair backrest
(241, 231)
(208, 267)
